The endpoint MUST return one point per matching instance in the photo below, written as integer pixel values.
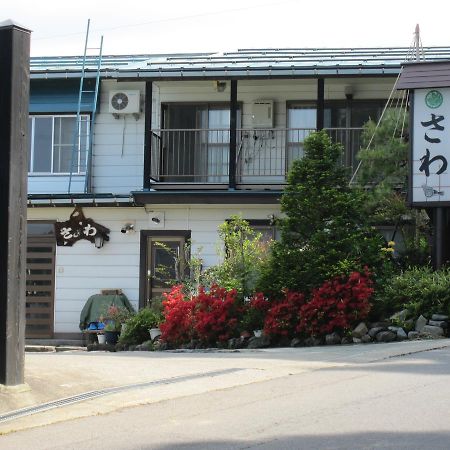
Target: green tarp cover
(97, 305)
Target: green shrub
(325, 232)
(420, 290)
(137, 327)
(242, 255)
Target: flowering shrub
(254, 312)
(337, 305)
(216, 314)
(209, 316)
(283, 316)
(178, 312)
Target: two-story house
(179, 143)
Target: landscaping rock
(439, 317)
(357, 340)
(432, 330)
(312, 342)
(160, 345)
(399, 316)
(386, 336)
(347, 340)
(234, 343)
(366, 339)
(383, 324)
(401, 334)
(413, 335)
(296, 342)
(145, 346)
(332, 339)
(360, 330)
(420, 323)
(375, 330)
(394, 329)
(259, 342)
(438, 323)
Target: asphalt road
(401, 402)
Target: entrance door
(163, 255)
(40, 286)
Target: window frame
(84, 118)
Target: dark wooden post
(233, 135)
(148, 137)
(14, 93)
(320, 104)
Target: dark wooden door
(40, 287)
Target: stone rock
(401, 334)
(432, 330)
(420, 323)
(259, 342)
(375, 330)
(160, 345)
(382, 324)
(347, 340)
(386, 336)
(366, 339)
(296, 342)
(399, 316)
(234, 343)
(413, 335)
(439, 317)
(332, 339)
(394, 329)
(357, 340)
(313, 342)
(438, 323)
(145, 346)
(360, 330)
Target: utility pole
(14, 94)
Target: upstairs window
(51, 142)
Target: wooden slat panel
(39, 277)
(40, 297)
(39, 289)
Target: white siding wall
(55, 184)
(118, 145)
(83, 270)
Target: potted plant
(112, 331)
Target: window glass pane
(40, 229)
(42, 144)
(362, 113)
(62, 159)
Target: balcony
(201, 157)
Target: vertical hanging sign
(430, 177)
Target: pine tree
(325, 232)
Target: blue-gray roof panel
(242, 63)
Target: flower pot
(154, 333)
(257, 333)
(101, 338)
(112, 337)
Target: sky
(179, 26)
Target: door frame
(144, 235)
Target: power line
(172, 19)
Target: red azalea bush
(216, 314)
(337, 305)
(283, 316)
(209, 316)
(178, 312)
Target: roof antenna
(417, 42)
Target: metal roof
(292, 62)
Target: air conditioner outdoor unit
(124, 102)
(262, 114)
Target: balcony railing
(262, 155)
